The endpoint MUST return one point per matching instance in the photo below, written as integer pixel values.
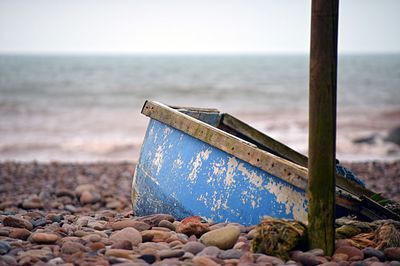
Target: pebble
(115, 204)
(193, 247)
(65, 193)
(44, 238)
(155, 219)
(8, 260)
(56, 261)
(121, 253)
(19, 233)
(84, 187)
(223, 238)
(130, 234)
(17, 222)
(354, 253)
(98, 245)
(317, 252)
(330, 263)
(5, 231)
(265, 259)
(342, 242)
(91, 237)
(204, 261)
(54, 218)
(340, 257)
(211, 251)
(4, 247)
(124, 244)
(73, 247)
(187, 255)
(372, 252)
(378, 263)
(32, 202)
(87, 197)
(230, 254)
(140, 226)
(36, 254)
(309, 259)
(197, 229)
(155, 235)
(167, 224)
(39, 222)
(170, 253)
(70, 208)
(392, 253)
(149, 258)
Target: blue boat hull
(182, 175)
(198, 161)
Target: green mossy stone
(347, 231)
(276, 237)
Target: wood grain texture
(322, 124)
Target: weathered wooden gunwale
(288, 153)
(284, 169)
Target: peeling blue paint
(181, 175)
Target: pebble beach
(80, 214)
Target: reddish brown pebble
(19, 233)
(155, 219)
(330, 263)
(340, 257)
(204, 261)
(342, 242)
(155, 235)
(140, 226)
(129, 233)
(392, 253)
(124, 244)
(86, 197)
(17, 222)
(120, 253)
(73, 247)
(44, 238)
(353, 253)
(96, 246)
(197, 229)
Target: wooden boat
(197, 161)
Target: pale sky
(186, 26)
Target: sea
(85, 108)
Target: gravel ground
(80, 214)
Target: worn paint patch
(134, 191)
(219, 167)
(177, 163)
(252, 176)
(232, 165)
(203, 155)
(204, 198)
(166, 132)
(216, 204)
(294, 201)
(158, 158)
(151, 132)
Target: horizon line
(238, 53)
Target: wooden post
(322, 124)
